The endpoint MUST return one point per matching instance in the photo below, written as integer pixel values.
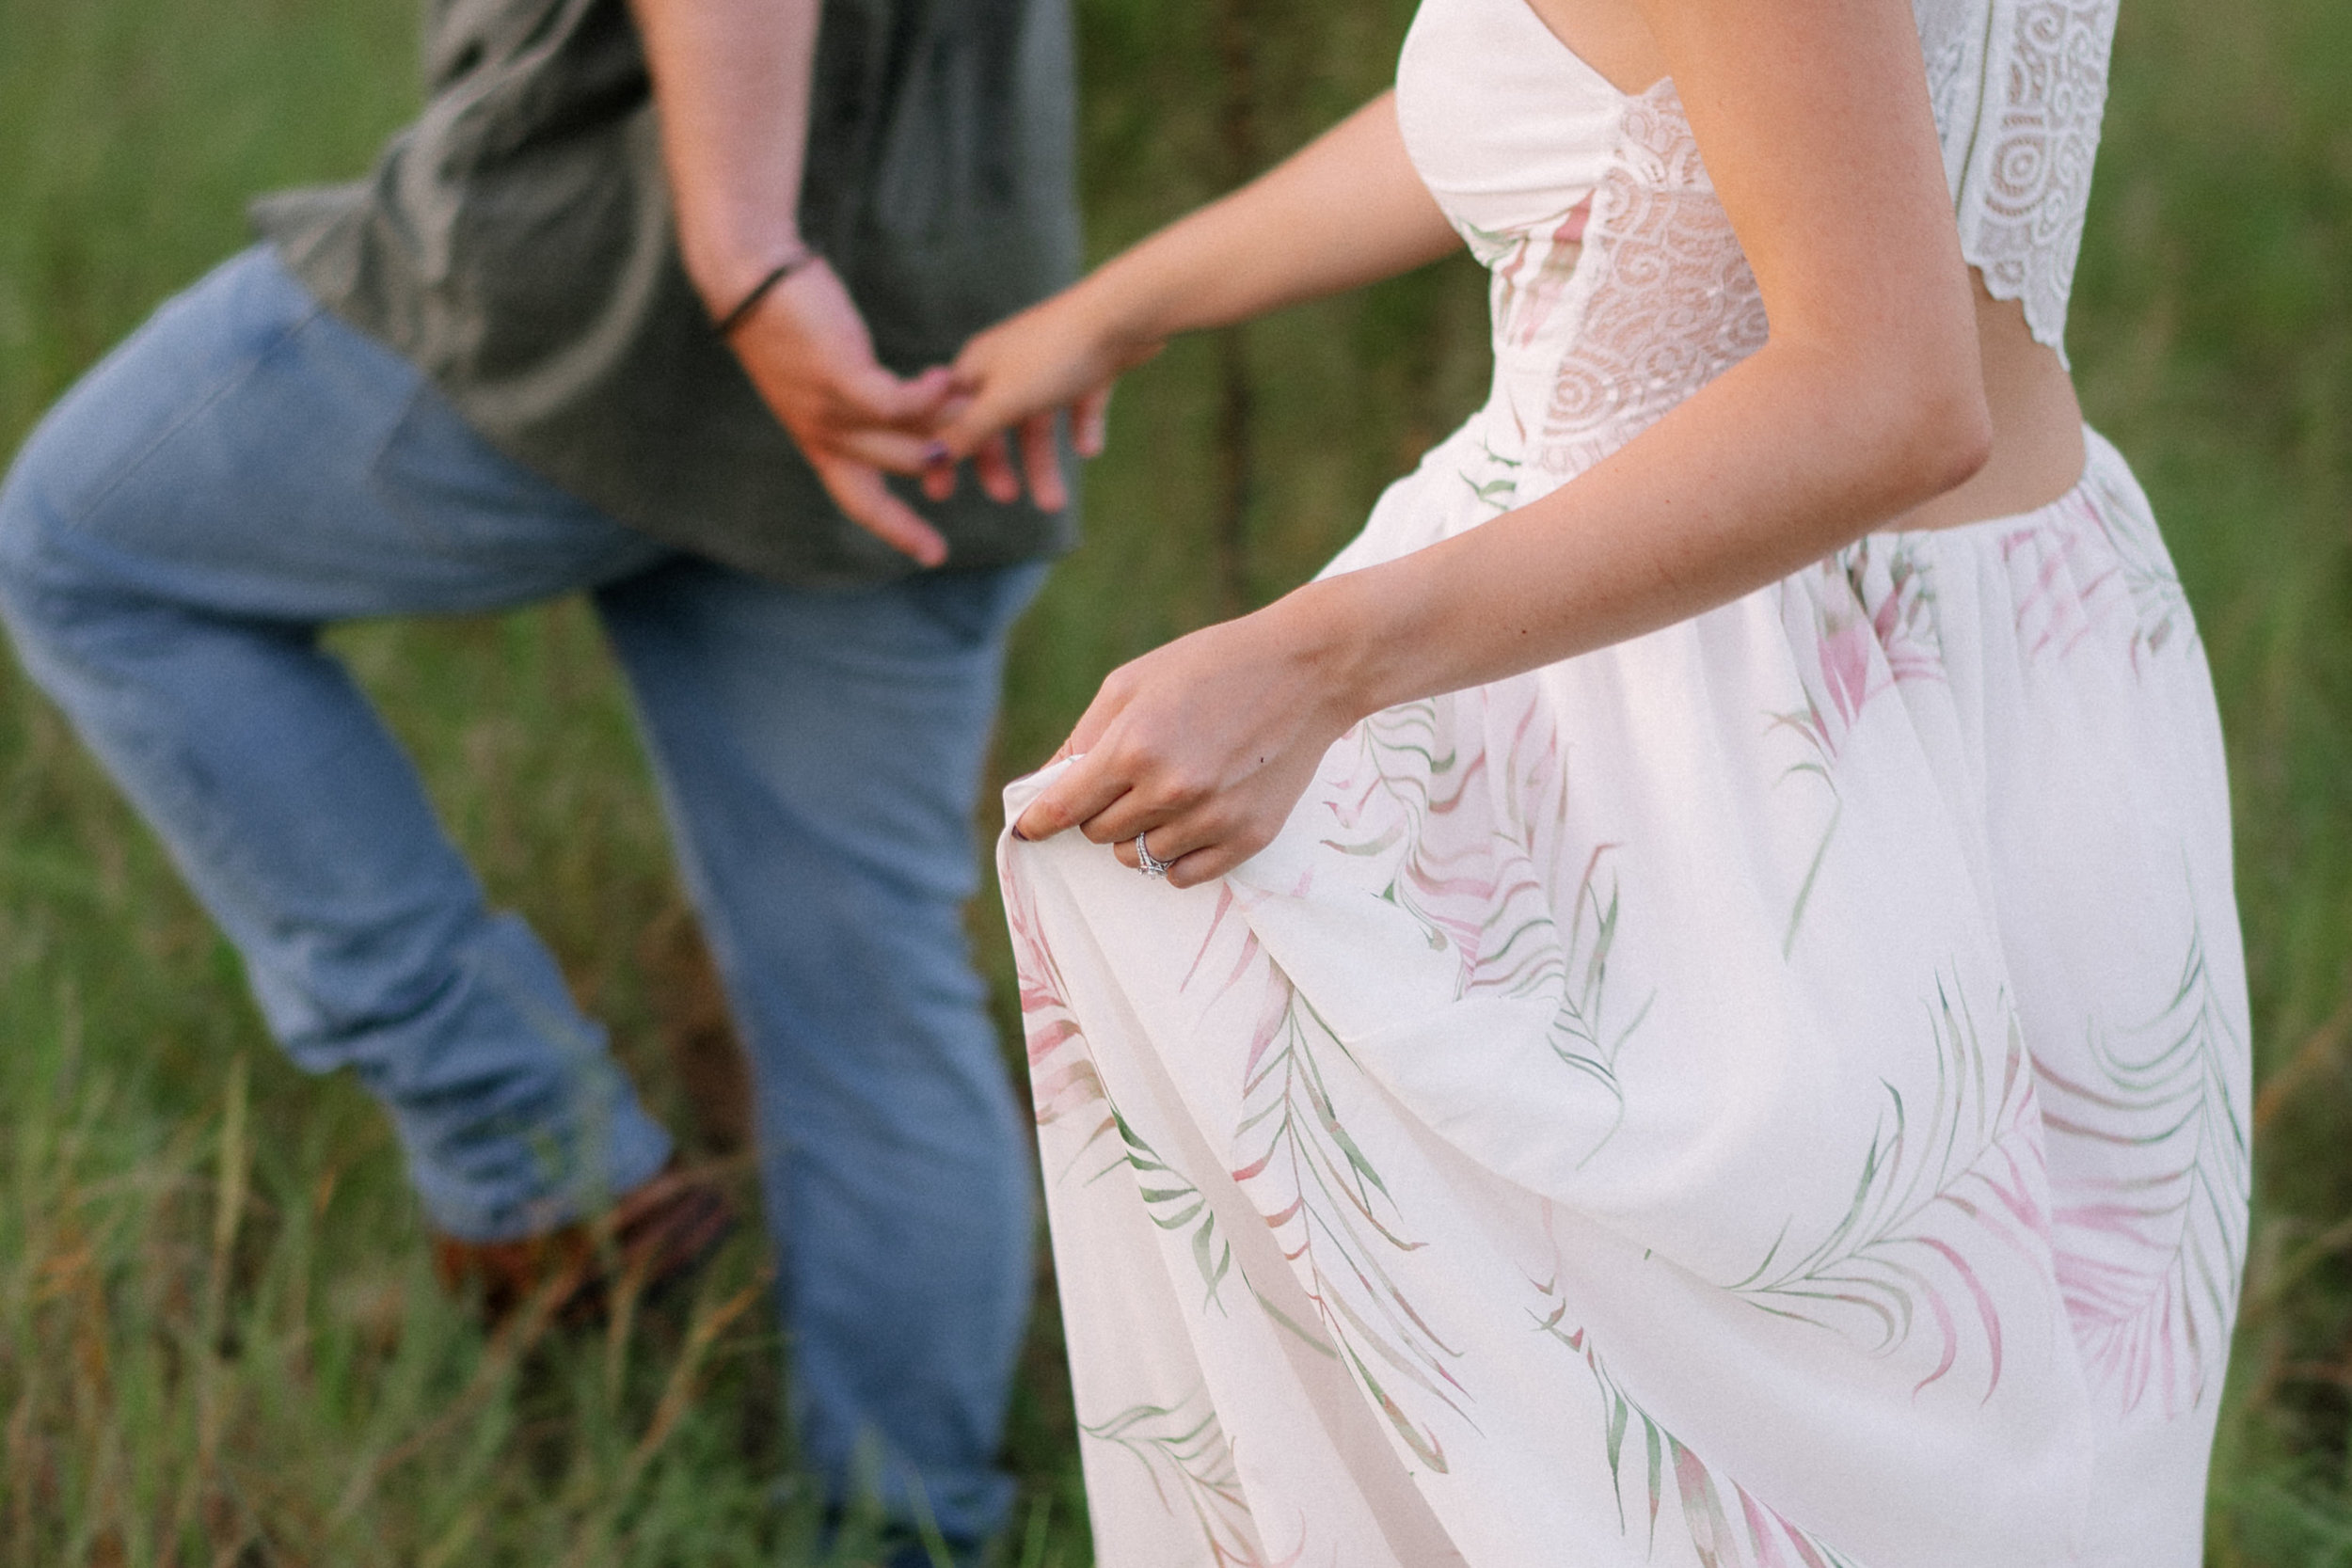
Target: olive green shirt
(517, 244)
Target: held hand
(808, 353)
(1203, 745)
(1015, 377)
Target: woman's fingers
(1204, 865)
(1153, 807)
(1080, 795)
(1091, 422)
(890, 450)
(1039, 456)
(1194, 849)
(868, 397)
(1169, 842)
(993, 461)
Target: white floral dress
(1769, 1092)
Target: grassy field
(218, 1344)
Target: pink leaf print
(2149, 1149)
(1064, 1082)
(1871, 610)
(1970, 1155)
(1845, 650)
(1333, 1219)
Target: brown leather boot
(653, 1236)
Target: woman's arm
(1345, 209)
(1867, 400)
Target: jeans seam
(221, 387)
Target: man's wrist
(782, 271)
(725, 269)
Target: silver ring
(1146, 862)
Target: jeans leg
(172, 537)
(820, 754)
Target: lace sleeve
(2019, 87)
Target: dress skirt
(1772, 1091)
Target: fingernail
(1014, 829)
(935, 452)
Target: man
(495, 371)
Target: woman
(1684, 1004)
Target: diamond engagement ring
(1146, 862)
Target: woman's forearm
(1344, 211)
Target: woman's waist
(1541, 434)
(2038, 452)
(2104, 490)
(1493, 463)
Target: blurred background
(219, 1343)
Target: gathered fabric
(1770, 1091)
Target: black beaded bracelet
(750, 302)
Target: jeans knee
(29, 577)
(59, 575)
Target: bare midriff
(2037, 425)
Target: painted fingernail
(935, 453)
(1015, 830)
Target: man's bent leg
(820, 754)
(241, 470)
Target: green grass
(218, 1342)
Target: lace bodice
(1618, 286)
(2019, 87)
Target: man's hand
(808, 353)
(732, 80)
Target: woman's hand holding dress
(1206, 743)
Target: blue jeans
(246, 470)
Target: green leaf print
(1184, 1451)
(2150, 1227)
(1760, 1538)
(1331, 1214)
(1065, 1085)
(1966, 1163)
(1868, 626)
(1496, 480)
(1175, 1204)
(2160, 611)
(1472, 839)
(1583, 1035)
